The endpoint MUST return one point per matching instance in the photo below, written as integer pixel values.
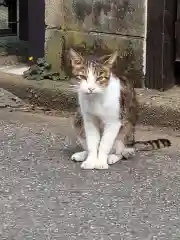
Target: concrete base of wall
(156, 108)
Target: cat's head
(92, 76)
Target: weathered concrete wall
(99, 26)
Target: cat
(107, 116)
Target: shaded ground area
(43, 195)
(9, 100)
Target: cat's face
(93, 76)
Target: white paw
(79, 156)
(94, 163)
(99, 164)
(113, 158)
(128, 152)
(88, 164)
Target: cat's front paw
(79, 156)
(101, 161)
(95, 164)
(88, 164)
(100, 164)
(92, 162)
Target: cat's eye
(100, 79)
(81, 77)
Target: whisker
(74, 87)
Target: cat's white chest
(97, 108)
(104, 106)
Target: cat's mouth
(89, 93)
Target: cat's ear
(76, 58)
(110, 60)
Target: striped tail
(151, 144)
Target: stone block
(54, 13)
(53, 48)
(108, 16)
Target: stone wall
(98, 26)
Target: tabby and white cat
(108, 114)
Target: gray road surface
(45, 196)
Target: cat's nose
(91, 90)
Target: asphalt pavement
(45, 196)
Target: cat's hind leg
(120, 152)
(113, 158)
(128, 153)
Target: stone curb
(156, 108)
